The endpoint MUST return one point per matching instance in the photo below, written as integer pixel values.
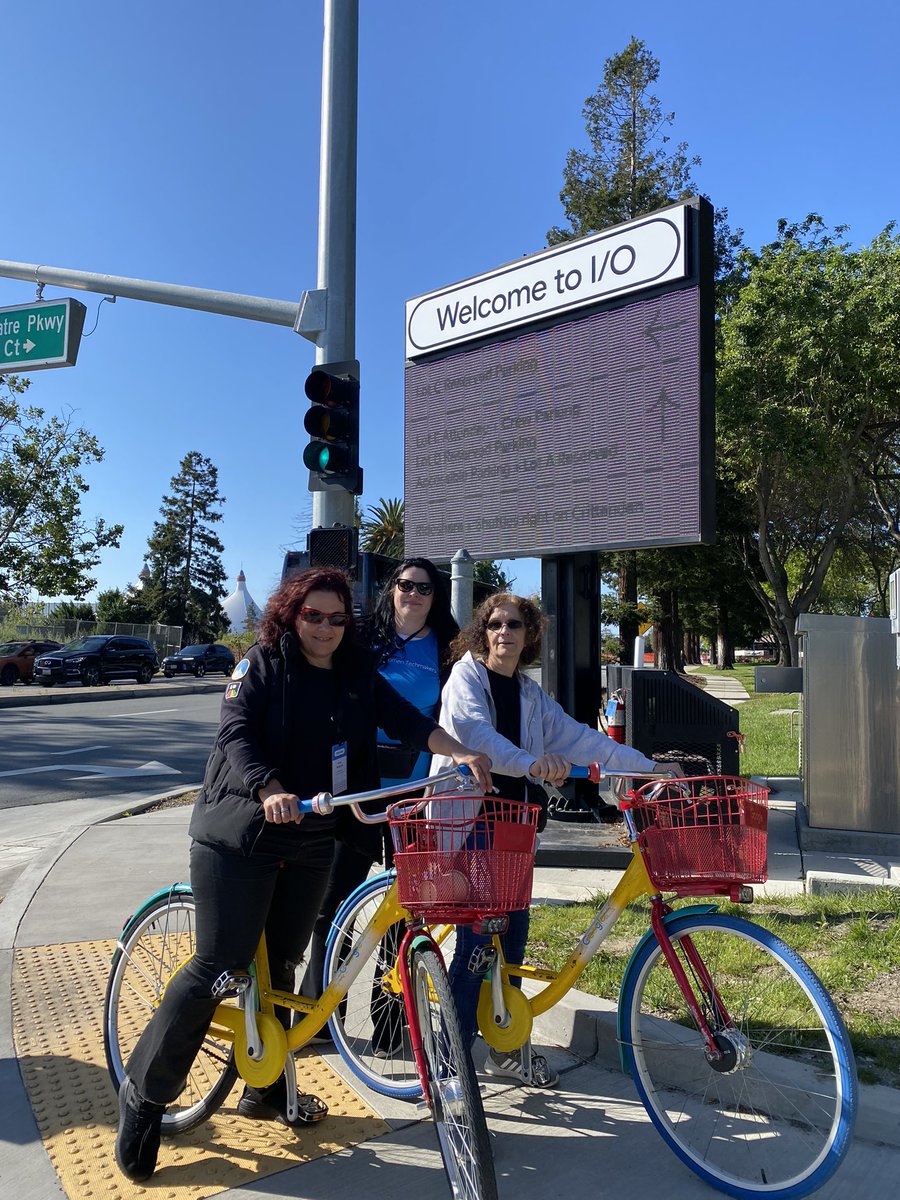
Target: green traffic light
(316, 456)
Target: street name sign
(45, 333)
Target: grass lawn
(852, 942)
(765, 722)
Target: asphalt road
(55, 753)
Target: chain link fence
(165, 639)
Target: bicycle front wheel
(452, 1087)
(154, 944)
(369, 1026)
(774, 1117)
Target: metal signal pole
(333, 505)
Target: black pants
(236, 898)
(349, 868)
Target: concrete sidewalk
(82, 888)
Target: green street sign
(43, 334)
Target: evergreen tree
(187, 578)
(628, 169)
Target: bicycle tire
(778, 1120)
(158, 940)
(453, 1093)
(389, 1067)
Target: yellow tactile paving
(58, 1027)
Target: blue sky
(179, 142)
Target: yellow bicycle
(246, 1038)
(737, 1051)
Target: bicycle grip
(591, 772)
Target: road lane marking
(150, 768)
(84, 750)
(149, 713)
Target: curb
(29, 696)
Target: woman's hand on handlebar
(478, 764)
(672, 769)
(552, 768)
(279, 807)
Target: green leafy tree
(46, 543)
(126, 608)
(807, 386)
(383, 531)
(187, 578)
(73, 610)
(490, 573)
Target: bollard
(462, 575)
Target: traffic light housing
(332, 456)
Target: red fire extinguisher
(615, 717)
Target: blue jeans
(465, 983)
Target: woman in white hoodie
(491, 706)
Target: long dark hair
(383, 632)
(280, 614)
(474, 636)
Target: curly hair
(280, 614)
(474, 636)
(440, 619)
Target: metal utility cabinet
(851, 705)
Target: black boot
(137, 1143)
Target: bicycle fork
(736, 1050)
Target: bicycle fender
(692, 910)
(174, 889)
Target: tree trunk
(724, 641)
(628, 594)
(670, 657)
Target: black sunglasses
(312, 616)
(410, 585)
(495, 626)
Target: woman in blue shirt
(411, 628)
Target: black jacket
(264, 732)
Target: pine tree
(629, 169)
(187, 578)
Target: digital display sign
(593, 432)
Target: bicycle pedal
(231, 984)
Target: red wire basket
(461, 858)
(703, 834)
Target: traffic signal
(332, 455)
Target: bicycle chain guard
(261, 1072)
(518, 1030)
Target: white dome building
(239, 605)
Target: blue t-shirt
(412, 670)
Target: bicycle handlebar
(323, 803)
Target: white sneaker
(509, 1066)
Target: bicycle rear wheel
(775, 1117)
(452, 1087)
(369, 1027)
(155, 943)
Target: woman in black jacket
(299, 716)
(410, 631)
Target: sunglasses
(312, 616)
(496, 626)
(410, 585)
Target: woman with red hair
(300, 716)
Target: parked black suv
(198, 660)
(97, 659)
